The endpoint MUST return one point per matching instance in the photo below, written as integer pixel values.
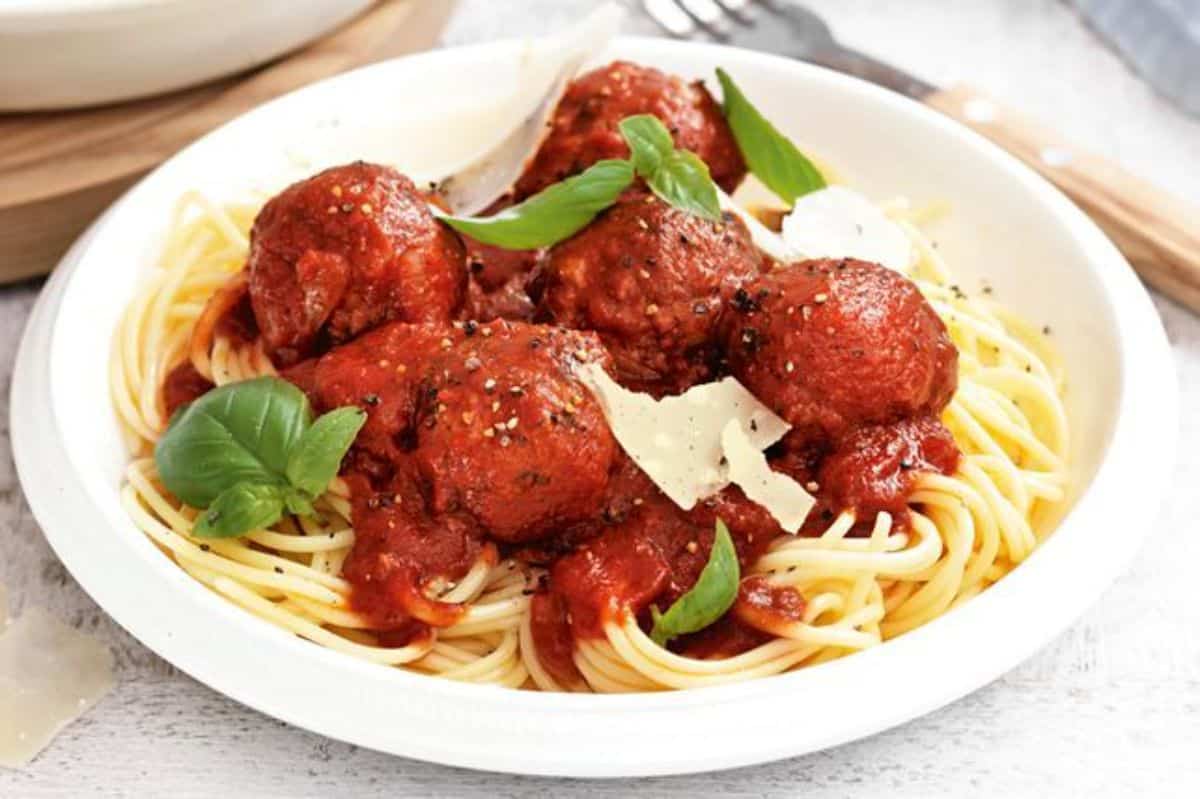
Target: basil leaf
(684, 182)
(240, 509)
(238, 433)
(551, 215)
(707, 601)
(317, 455)
(649, 142)
(677, 177)
(770, 155)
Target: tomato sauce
(182, 385)
(400, 551)
(873, 468)
(552, 637)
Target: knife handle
(1158, 233)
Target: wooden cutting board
(59, 170)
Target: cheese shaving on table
(50, 675)
(684, 444)
(783, 497)
(836, 222)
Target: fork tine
(670, 17)
(769, 5)
(737, 10)
(706, 15)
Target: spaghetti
(966, 531)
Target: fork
(1158, 233)
(772, 26)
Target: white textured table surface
(1111, 708)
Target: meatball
(345, 251)
(508, 434)
(832, 345)
(584, 127)
(653, 281)
(381, 373)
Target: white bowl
(1044, 258)
(70, 53)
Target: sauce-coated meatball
(345, 251)
(507, 433)
(835, 344)
(584, 128)
(653, 281)
(381, 373)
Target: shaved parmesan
(783, 497)
(50, 675)
(763, 237)
(836, 222)
(545, 72)
(676, 441)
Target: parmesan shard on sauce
(783, 497)
(836, 222)
(695, 444)
(50, 675)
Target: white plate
(1044, 258)
(68, 53)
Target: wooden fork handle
(1158, 233)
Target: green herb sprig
(248, 451)
(712, 595)
(678, 177)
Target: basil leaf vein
(712, 595)
(315, 459)
(553, 214)
(770, 155)
(240, 509)
(678, 177)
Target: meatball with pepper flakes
(507, 433)
(653, 282)
(584, 127)
(345, 251)
(831, 345)
(380, 372)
